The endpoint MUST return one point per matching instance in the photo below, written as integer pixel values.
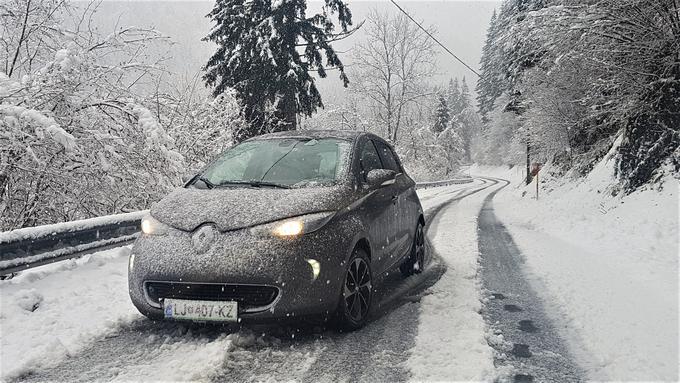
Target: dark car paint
(237, 208)
(383, 219)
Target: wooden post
(528, 180)
(537, 185)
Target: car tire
(415, 263)
(356, 292)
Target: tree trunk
(287, 112)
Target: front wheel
(357, 291)
(415, 263)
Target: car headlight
(293, 227)
(152, 226)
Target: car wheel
(357, 291)
(415, 263)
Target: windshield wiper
(255, 183)
(266, 183)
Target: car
(286, 225)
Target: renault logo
(203, 238)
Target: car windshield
(287, 162)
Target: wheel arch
(364, 244)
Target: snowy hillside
(607, 266)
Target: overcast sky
(461, 26)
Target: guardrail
(425, 185)
(36, 246)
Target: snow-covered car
(281, 226)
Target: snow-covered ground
(53, 311)
(451, 343)
(606, 267)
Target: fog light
(316, 268)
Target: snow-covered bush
(85, 129)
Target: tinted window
(388, 159)
(368, 158)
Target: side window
(368, 158)
(388, 157)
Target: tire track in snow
(527, 345)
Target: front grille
(248, 296)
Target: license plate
(201, 310)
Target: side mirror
(380, 177)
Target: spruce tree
(453, 95)
(266, 51)
(442, 115)
(488, 84)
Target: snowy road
(527, 339)
(141, 349)
(392, 347)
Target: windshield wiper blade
(266, 183)
(255, 183)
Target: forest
(93, 123)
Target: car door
(399, 194)
(378, 207)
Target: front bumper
(238, 258)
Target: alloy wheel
(357, 290)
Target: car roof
(318, 134)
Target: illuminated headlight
(289, 228)
(152, 226)
(293, 227)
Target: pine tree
(266, 51)
(465, 98)
(453, 95)
(442, 115)
(488, 85)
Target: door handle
(395, 198)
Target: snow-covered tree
(266, 51)
(488, 84)
(581, 75)
(86, 127)
(441, 114)
(395, 63)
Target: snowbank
(53, 311)
(606, 266)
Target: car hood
(237, 208)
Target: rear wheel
(415, 263)
(357, 291)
